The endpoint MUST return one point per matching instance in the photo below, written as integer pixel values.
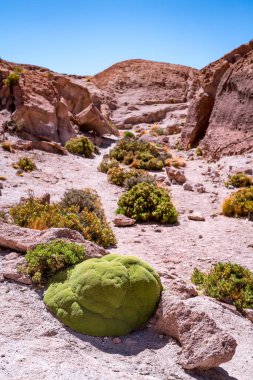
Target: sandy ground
(33, 345)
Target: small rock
(200, 188)
(123, 221)
(188, 187)
(1, 186)
(158, 230)
(116, 340)
(197, 216)
(176, 175)
(249, 314)
(130, 342)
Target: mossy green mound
(110, 296)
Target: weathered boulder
(92, 119)
(222, 108)
(176, 175)
(204, 344)
(46, 146)
(22, 239)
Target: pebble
(116, 340)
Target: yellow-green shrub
(26, 164)
(81, 146)
(239, 180)
(239, 203)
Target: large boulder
(110, 296)
(23, 239)
(204, 344)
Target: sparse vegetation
(146, 202)
(25, 164)
(117, 176)
(239, 203)
(6, 145)
(83, 213)
(198, 151)
(81, 146)
(139, 154)
(48, 258)
(13, 77)
(122, 177)
(227, 282)
(107, 164)
(128, 134)
(239, 180)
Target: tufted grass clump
(48, 258)
(129, 134)
(25, 164)
(138, 154)
(79, 211)
(109, 296)
(107, 164)
(198, 151)
(80, 146)
(227, 282)
(239, 203)
(145, 202)
(239, 180)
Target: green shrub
(110, 296)
(82, 199)
(48, 258)
(13, 78)
(146, 202)
(227, 282)
(117, 176)
(128, 134)
(107, 164)
(142, 176)
(74, 211)
(198, 151)
(81, 146)
(26, 164)
(239, 203)
(239, 180)
(130, 149)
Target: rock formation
(221, 112)
(213, 107)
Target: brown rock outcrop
(139, 91)
(43, 104)
(222, 108)
(204, 344)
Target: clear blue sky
(85, 37)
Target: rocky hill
(212, 106)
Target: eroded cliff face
(219, 116)
(47, 106)
(213, 107)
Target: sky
(86, 37)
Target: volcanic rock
(204, 344)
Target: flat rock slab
(23, 239)
(197, 216)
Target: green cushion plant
(110, 296)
